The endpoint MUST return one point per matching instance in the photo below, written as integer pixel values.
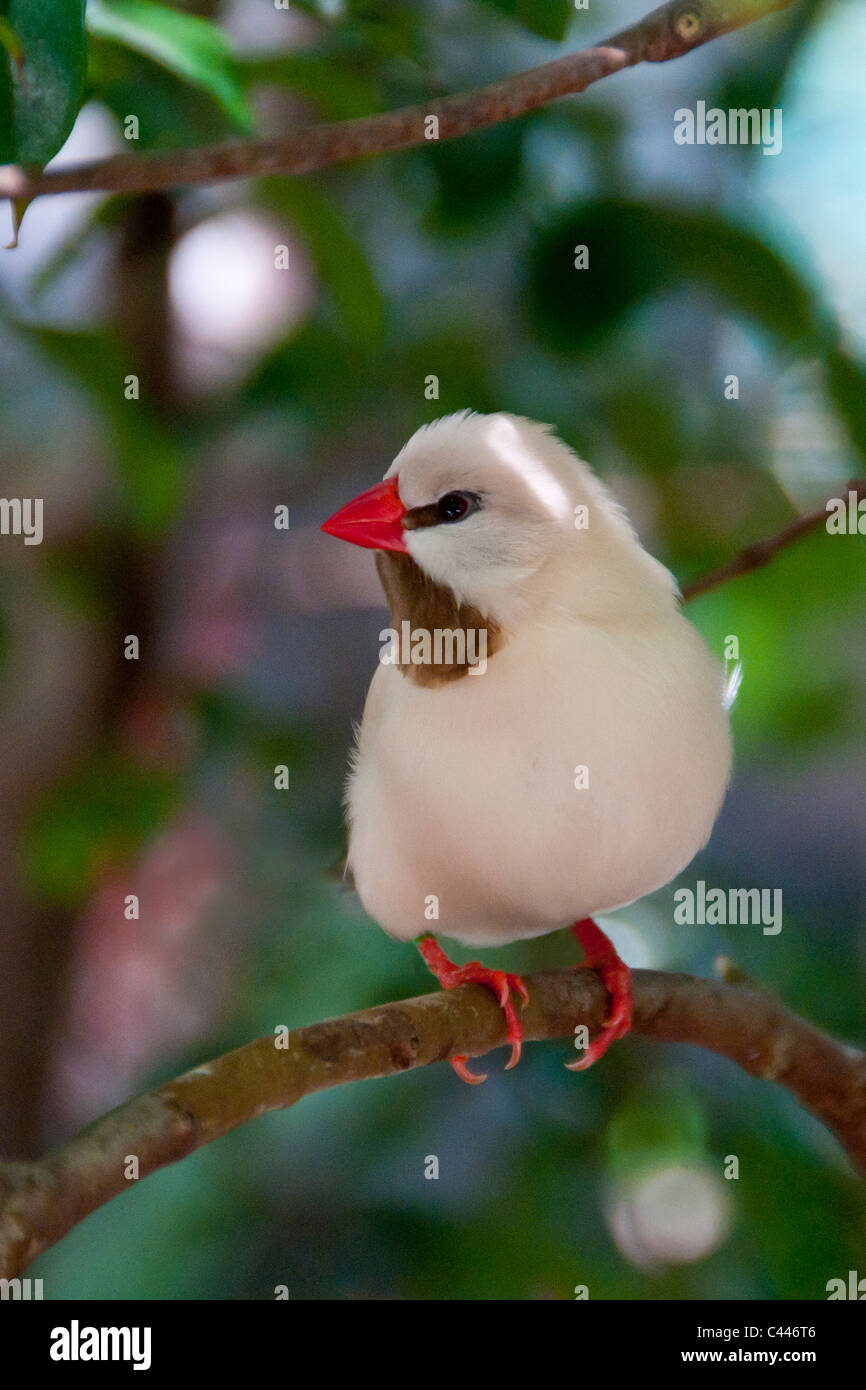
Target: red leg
(600, 955)
(450, 976)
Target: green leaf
(640, 249)
(846, 381)
(338, 93)
(547, 18)
(761, 81)
(171, 113)
(340, 262)
(42, 69)
(191, 48)
(9, 41)
(317, 373)
(678, 246)
(475, 176)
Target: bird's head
(499, 511)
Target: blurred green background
(262, 387)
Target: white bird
(581, 766)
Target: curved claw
(614, 974)
(516, 1049)
(515, 1032)
(617, 1025)
(498, 982)
(502, 985)
(470, 1077)
(516, 983)
(597, 1049)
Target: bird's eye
(454, 506)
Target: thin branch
(754, 557)
(668, 32)
(41, 1202)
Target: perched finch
(546, 737)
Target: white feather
(463, 795)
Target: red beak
(373, 519)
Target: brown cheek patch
(414, 598)
(421, 516)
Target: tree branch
(668, 32)
(40, 1202)
(754, 557)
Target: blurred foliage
(662, 1124)
(341, 264)
(457, 261)
(94, 823)
(337, 92)
(680, 246)
(548, 18)
(146, 454)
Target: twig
(668, 32)
(40, 1202)
(754, 557)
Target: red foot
(601, 956)
(450, 976)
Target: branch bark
(41, 1202)
(667, 32)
